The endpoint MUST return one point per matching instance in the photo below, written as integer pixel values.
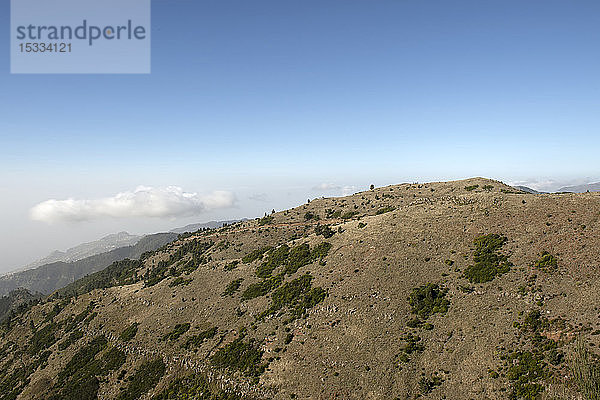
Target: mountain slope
(456, 290)
(48, 278)
(85, 250)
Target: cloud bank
(144, 201)
(326, 186)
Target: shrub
(297, 296)
(232, 287)
(471, 188)
(349, 214)
(426, 384)
(238, 355)
(145, 378)
(73, 337)
(179, 281)
(525, 372)
(43, 338)
(261, 288)
(197, 340)
(546, 262)
(324, 230)
(179, 330)
(194, 387)
(428, 299)
(255, 255)
(267, 220)
(231, 266)
(298, 257)
(275, 258)
(321, 250)
(384, 210)
(489, 263)
(129, 332)
(311, 216)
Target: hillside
(203, 225)
(50, 277)
(452, 290)
(15, 301)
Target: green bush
(231, 266)
(232, 287)
(427, 300)
(43, 338)
(384, 210)
(489, 263)
(275, 258)
(297, 296)
(145, 379)
(197, 340)
(129, 332)
(255, 255)
(261, 288)
(194, 387)
(176, 333)
(73, 337)
(471, 188)
(179, 281)
(311, 216)
(546, 262)
(266, 220)
(349, 214)
(238, 355)
(324, 230)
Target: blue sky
(272, 98)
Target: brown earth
(349, 346)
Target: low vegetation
(176, 333)
(129, 332)
(546, 262)
(145, 379)
(489, 262)
(242, 356)
(232, 287)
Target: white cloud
(327, 186)
(348, 190)
(144, 201)
(262, 197)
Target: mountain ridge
(460, 290)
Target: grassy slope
(351, 344)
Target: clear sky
(277, 101)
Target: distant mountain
(50, 277)
(210, 225)
(107, 243)
(528, 190)
(590, 187)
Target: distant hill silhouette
(50, 277)
(589, 187)
(84, 250)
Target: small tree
(372, 187)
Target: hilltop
(449, 290)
